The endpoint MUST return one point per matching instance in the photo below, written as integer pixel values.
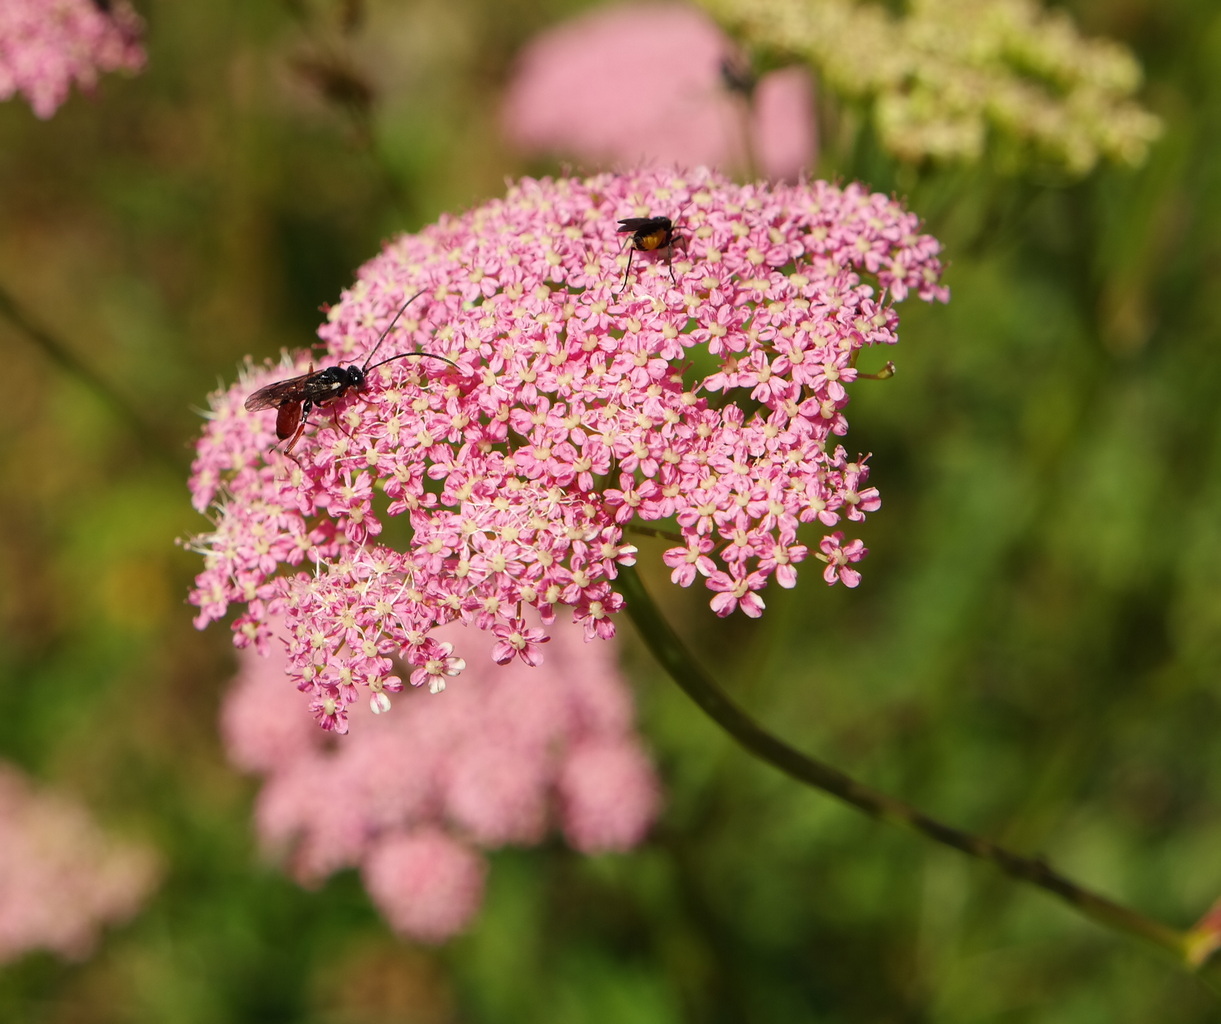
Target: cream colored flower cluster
(954, 80)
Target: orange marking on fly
(295, 397)
(649, 234)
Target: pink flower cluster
(414, 801)
(46, 45)
(61, 878)
(699, 402)
(641, 82)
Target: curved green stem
(669, 650)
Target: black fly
(294, 398)
(648, 234)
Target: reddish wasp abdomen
(288, 419)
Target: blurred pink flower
(411, 797)
(642, 83)
(699, 401)
(426, 883)
(61, 877)
(603, 784)
(46, 45)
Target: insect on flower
(294, 398)
(648, 234)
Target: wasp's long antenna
(418, 355)
(389, 328)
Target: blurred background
(1032, 656)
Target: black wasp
(648, 234)
(294, 398)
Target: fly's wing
(631, 225)
(275, 395)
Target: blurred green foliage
(1033, 654)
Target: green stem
(152, 439)
(669, 650)
(638, 530)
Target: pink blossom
(573, 415)
(686, 562)
(412, 798)
(782, 559)
(61, 877)
(839, 556)
(610, 795)
(436, 668)
(46, 45)
(428, 885)
(635, 83)
(735, 591)
(516, 641)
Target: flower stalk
(674, 657)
